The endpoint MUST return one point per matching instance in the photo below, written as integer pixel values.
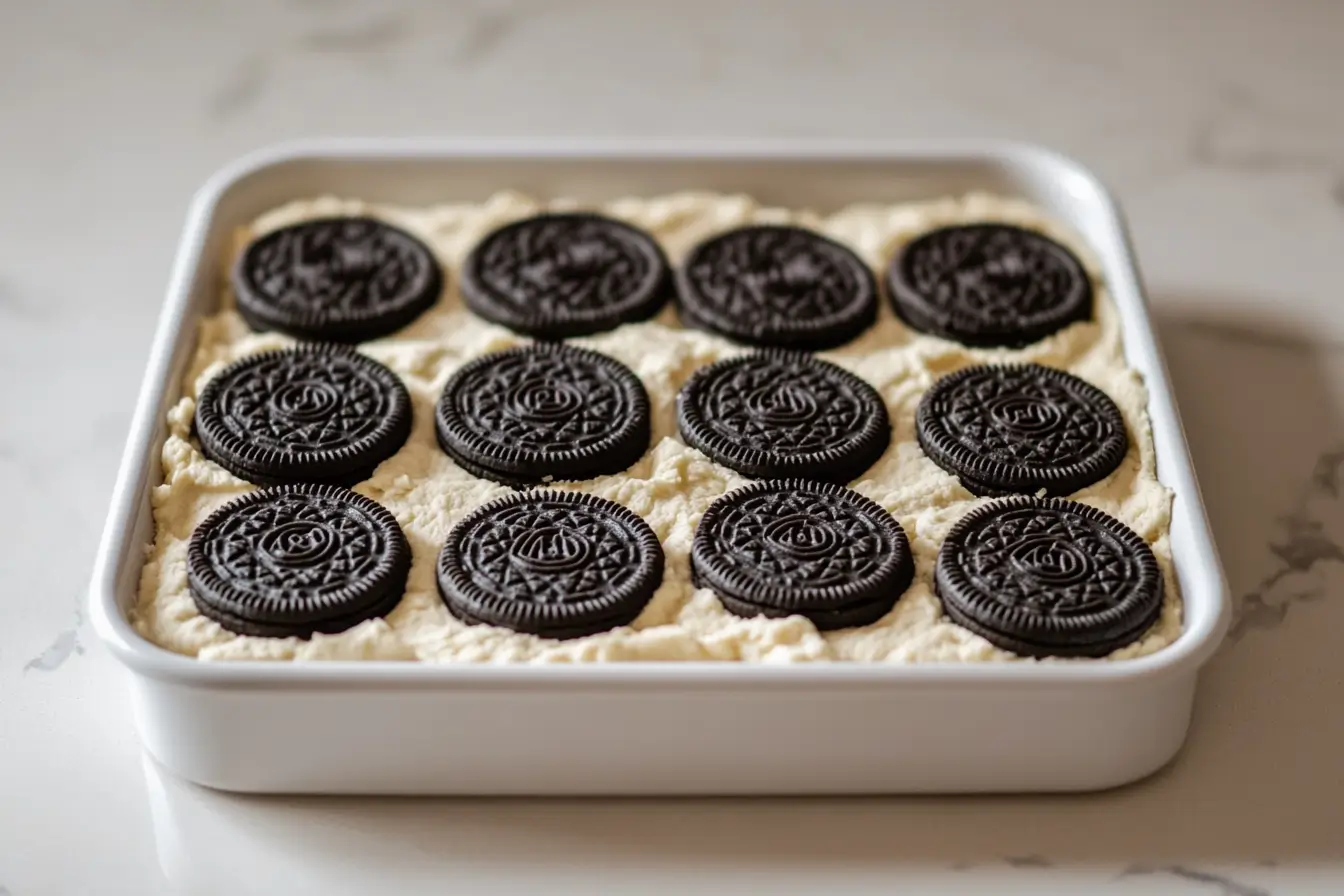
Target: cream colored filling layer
(673, 484)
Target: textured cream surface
(672, 484)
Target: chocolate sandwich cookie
(1021, 428)
(336, 280)
(554, 564)
(315, 413)
(297, 559)
(1048, 577)
(795, 547)
(776, 285)
(544, 413)
(988, 285)
(778, 414)
(554, 276)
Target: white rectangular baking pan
(366, 727)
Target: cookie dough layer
(672, 484)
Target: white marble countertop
(1219, 123)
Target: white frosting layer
(673, 484)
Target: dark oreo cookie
(988, 285)
(336, 280)
(1017, 429)
(315, 413)
(778, 414)
(795, 547)
(514, 482)
(775, 285)
(544, 413)
(554, 564)
(297, 559)
(554, 276)
(1048, 577)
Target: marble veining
(1218, 883)
(65, 645)
(244, 86)
(16, 304)
(1028, 861)
(379, 34)
(474, 35)
(1306, 543)
(1243, 132)
(482, 34)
